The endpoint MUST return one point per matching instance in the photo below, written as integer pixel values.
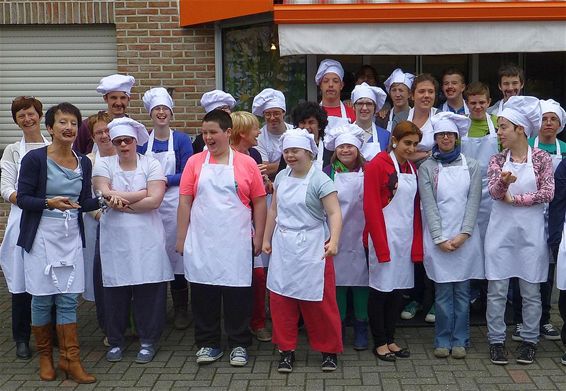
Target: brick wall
(150, 46)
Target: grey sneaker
(441, 352)
(238, 357)
(516, 336)
(458, 352)
(114, 354)
(146, 354)
(207, 355)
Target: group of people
(336, 215)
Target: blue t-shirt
(183, 151)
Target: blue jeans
(452, 308)
(65, 304)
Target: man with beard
(511, 83)
(453, 86)
(115, 90)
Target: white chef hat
(216, 98)
(116, 82)
(344, 134)
(329, 66)
(450, 122)
(299, 138)
(552, 106)
(398, 76)
(268, 99)
(524, 111)
(376, 94)
(157, 97)
(125, 126)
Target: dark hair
(404, 129)
(510, 70)
(362, 72)
(422, 78)
(101, 116)
(221, 117)
(305, 110)
(24, 103)
(453, 71)
(64, 107)
(476, 88)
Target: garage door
(54, 64)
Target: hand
(458, 240)
(508, 198)
(118, 203)
(508, 177)
(180, 246)
(266, 247)
(257, 245)
(382, 113)
(268, 185)
(330, 249)
(446, 246)
(262, 168)
(62, 203)
(98, 215)
(348, 103)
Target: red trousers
(258, 286)
(322, 319)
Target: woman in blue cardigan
(54, 188)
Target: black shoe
(526, 353)
(388, 357)
(329, 362)
(23, 351)
(498, 354)
(286, 361)
(403, 353)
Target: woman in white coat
(54, 188)
(172, 149)
(301, 272)
(27, 113)
(350, 263)
(450, 191)
(135, 266)
(520, 182)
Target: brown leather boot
(70, 354)
(43, 342)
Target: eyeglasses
(118, 141)
(359, 105)
(101, 131)
(446, 134)
(273, 114)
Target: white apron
(297, 263)
(556, 158)
(445, 108)
(369, 150)
(270, 145)
(427, 141)
(399, 220)
(334, 122)
(390, 122)
(451, 198)
(482, 149)
(55, 263)
(319, 160)
(170, 203)
(515, 244)
(218, 246)
(561, 263)
(132, 245)
(350, 262)
(11, 259)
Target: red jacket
(380, 181)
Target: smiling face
(550, 125)
(252, 135)
(347, 154)
(101, 137)
(274, 120)
(297, 158)
(424, 95)
(161, 116)
(478, 105)
(446, 141)
(452, 86)
(365, 109)
(312, 126)
(405, 147)
(28, 120)
(510, 86)
(217, 141)
(330, 86)
(117, 102)
(65, 128)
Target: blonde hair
(242, 123)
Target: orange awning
(205, 11)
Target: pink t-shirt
(246, 174)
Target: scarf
(337, 167)
(446, 157)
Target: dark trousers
(545, 297)
(562, 309)
(423, 292)
(149, 306)
(21, 317)
(384, 309)
(179, 283)
(97, 283)
(207, 302)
